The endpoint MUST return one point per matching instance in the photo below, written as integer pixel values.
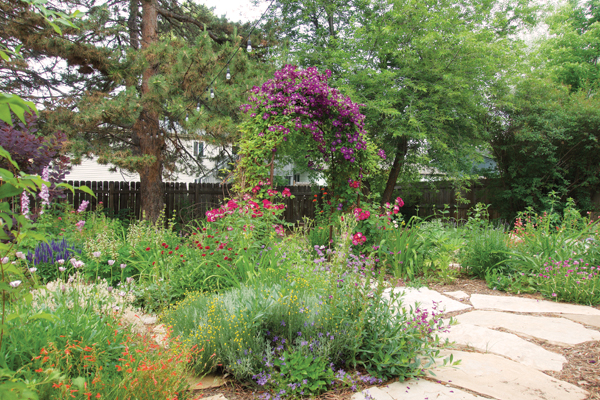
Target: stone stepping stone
(504, 379)
(416, 390)
(521, 304)
(458, 295)
(559, 331)
(591, 320)
(206, 382)
(505, 344)
(426, 299)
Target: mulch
(582, 368)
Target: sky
(236, 10)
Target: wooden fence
(185, 201)
(192, 200)
(433, 201)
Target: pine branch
(182, 18)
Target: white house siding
(90, 170)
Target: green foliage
(571, 280)
(555, 253)
(570, 52)
(303, 373)
(238, 324)
(327, 317)
(549, 142)
(426, 71)
(11, 103)
(397, 344)
(486, 251)
(404, 249)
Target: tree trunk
(132, 24)
(146, 130)
(401, 150)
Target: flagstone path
(497, 342)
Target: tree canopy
(427, 71)
(132, 81)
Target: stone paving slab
(374, 393)
(423, 389)
(206, 382)
(505, 344)
(458, 295)
(591, 320)
(426, 299)
(521, 304)
(559, 331)
(504, 379)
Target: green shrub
(239, 324)
(397, 344)
(486, 251)
(324, 314)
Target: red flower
(147, 248)
(286, 192)
(399, 201)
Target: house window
(296, 178)
(288, 178)
(198, 180)
(198, 150)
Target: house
(213, 161)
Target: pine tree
(133, 81)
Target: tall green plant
(16, 278)
(404, 249)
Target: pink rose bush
(358, 239)
(361, 215)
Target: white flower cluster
(99, 296)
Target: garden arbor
(298, 112)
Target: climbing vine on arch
(298, 108)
